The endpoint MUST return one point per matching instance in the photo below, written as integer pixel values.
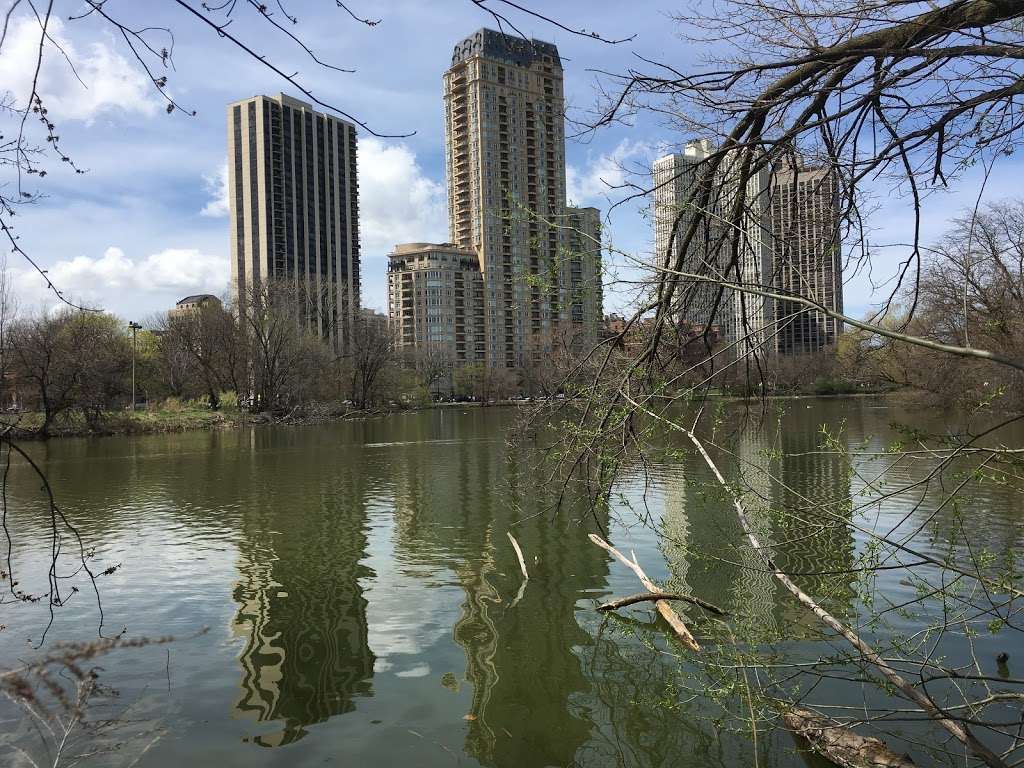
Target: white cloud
(398, 203)
(109, 81)
(105, 280)
(597, 181)
(217, 188)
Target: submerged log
(641, 597)
(662, 606)
(841, 745)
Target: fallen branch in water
(519, 554)
(641, 597)
(958, 730)
(841, 745)
(522, 566)
(661, 605)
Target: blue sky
(147, 224)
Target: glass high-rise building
(804, 216)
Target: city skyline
(722, 302)
(136, 242)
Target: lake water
(358, 589)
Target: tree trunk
(841, 745)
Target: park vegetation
(73, 368)
(896, 99)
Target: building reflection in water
(301, 610)
(543, 690)
(797, 503)
(703, 544)
(523, 661)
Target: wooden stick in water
(641, 597)
(519, 553)
(662, 606)
(522, 566)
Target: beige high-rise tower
(583, 246)
(674, 178)
(505, 165)
(435, 301)
(294, 206)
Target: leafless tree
(71, 361)
(970, 289)
(485, 383)
(371, 352)
(434, 366)
(8, 315)
(40, 353)
(174, 362)
(858, 100)
(209, 341)
(287, 358)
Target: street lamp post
(135, 329)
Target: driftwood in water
(841, 745)
(641, 597)
(519, 554)
(662, 606)
(522, 567)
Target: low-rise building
(436, 301)
(194, 303)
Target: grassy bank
(190, 418)
(27, 425)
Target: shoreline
(197, 420)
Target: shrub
(173, 405)
(229, 399)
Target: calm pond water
(358, 587)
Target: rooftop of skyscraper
(510, 48)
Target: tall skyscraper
(294, 206)
(745, 317)
(505, 164)
(583, 250)
(674, 178)
(808, 258)
(789, 242)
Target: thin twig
(641, 597)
